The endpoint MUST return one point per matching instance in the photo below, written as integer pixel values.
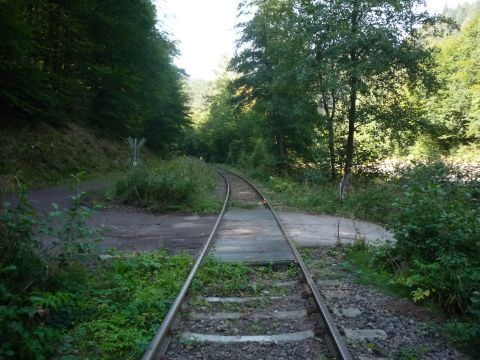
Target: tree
(267, 61)
(456, 108)
(370, 42)
(102, 63)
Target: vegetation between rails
(181, 184)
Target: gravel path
(377, 326)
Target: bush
(22, 270)
(31, 274)
(183, 184)
(437, 237)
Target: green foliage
(22, 269)
(259, 162)
(360, 261)
(123, 303)
(353, 59)
(223, 278)
(455, 110)
(465, 333)
(105, 63)
(74, 241)
(62, 303)
(373, 266)
(270, 85)
(182, 184)
(31, 271)
(369, 199)
(436, 230)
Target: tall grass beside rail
(181, 184)
(370, 199)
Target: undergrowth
(35, 254)
(44, 155)
(181, 184)
(120, 305)
(369, 200)
(435, 258)
(58, 299)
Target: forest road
(132, 229)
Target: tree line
(101, 63)
(341, 83)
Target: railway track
(286, 317)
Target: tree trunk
(281, 150)
(352, 111)
(331, 133)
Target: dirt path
(126, 228)
(130, 229)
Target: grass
(359, 261)
(67, 303)
(182, 184)
(223, 278)
(118, 306)
(367, 199)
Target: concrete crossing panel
(251, 236)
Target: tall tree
(267, 61)
(370, 42)
(103, 63)
(456, 110)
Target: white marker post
(135, 145)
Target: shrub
(436, 226)
(184, 184)
(22, 269)
(30, 275)
(61, 303)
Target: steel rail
(335, 341)
(159, 344)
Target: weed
(255, 327)
(30, 277)
(410, 353)
(360, 260)
(223, 278)
(124, 302)
(371, 200)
